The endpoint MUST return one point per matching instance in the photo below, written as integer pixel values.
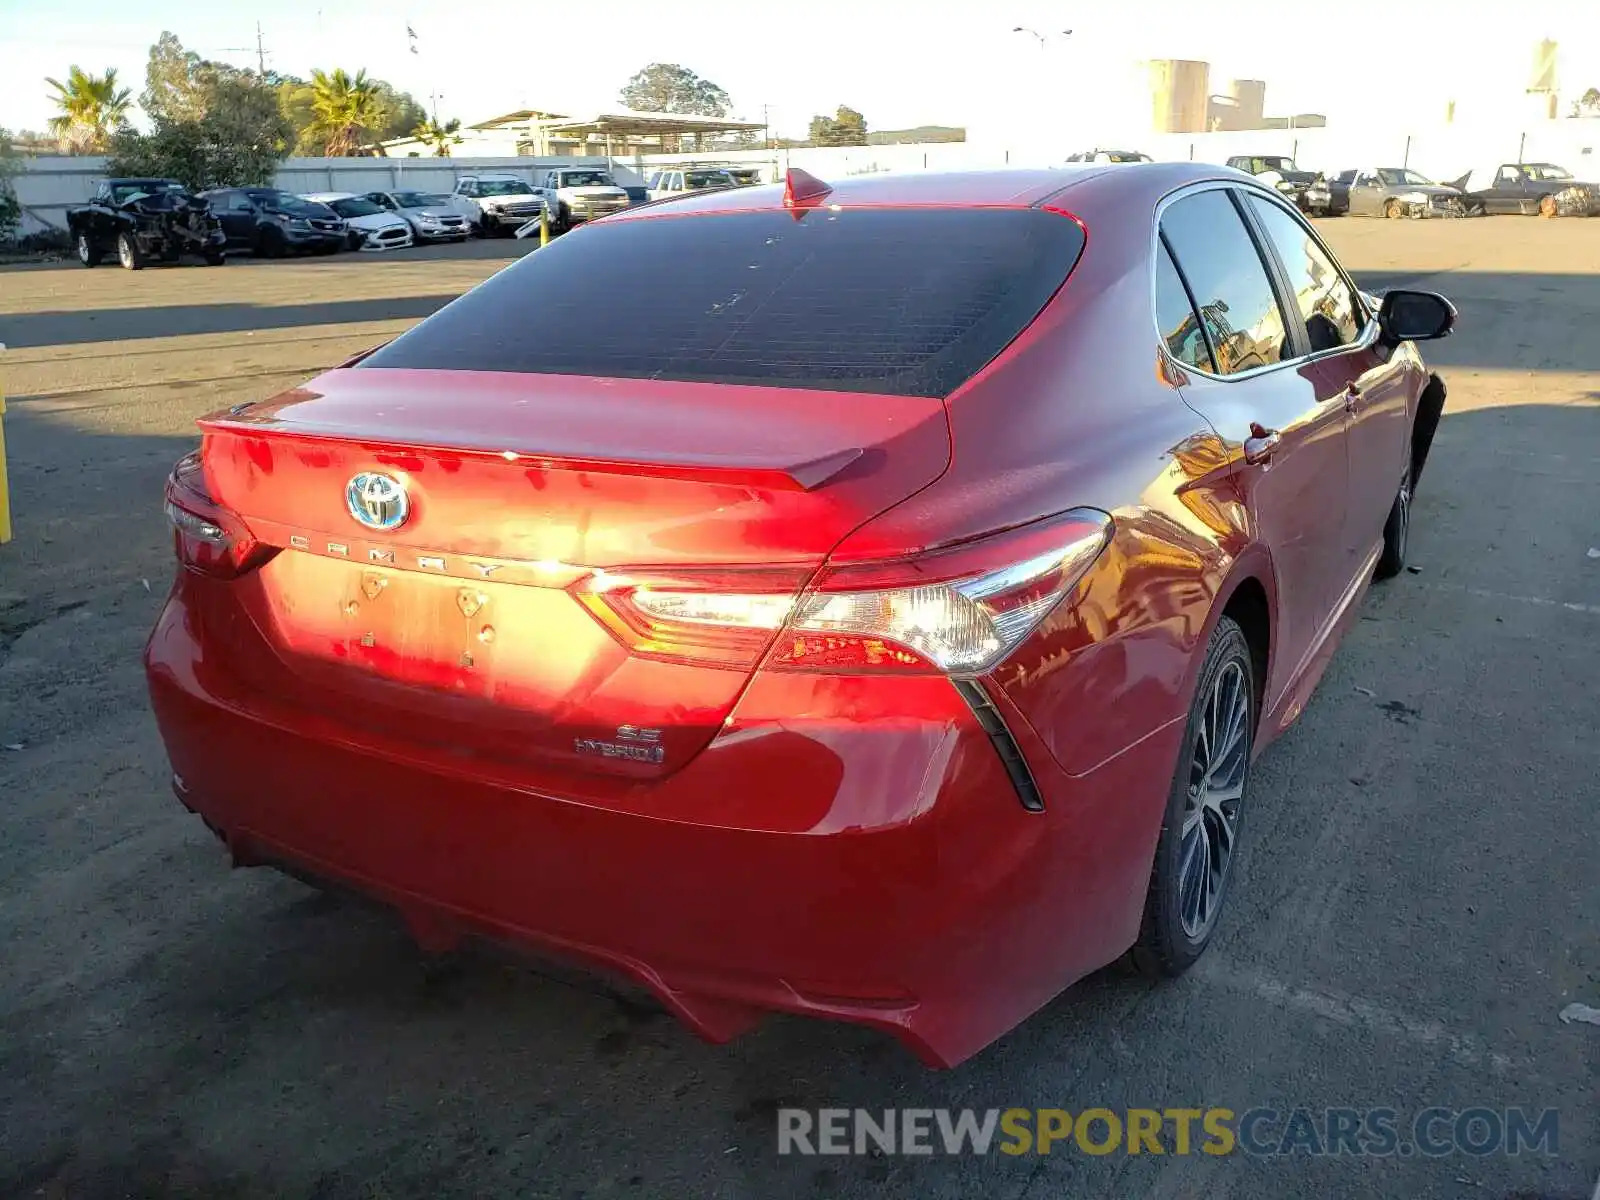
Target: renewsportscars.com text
(1258, 1132)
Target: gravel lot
(1417, 902)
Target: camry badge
(469, 601)
(377, 501)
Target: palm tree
(439, 137)
(345, 109)
(92, 108)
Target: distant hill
(922, 133)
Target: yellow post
(544, 226)
(5, 496)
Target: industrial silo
(1179, 88)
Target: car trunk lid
(465, 623)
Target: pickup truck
(496, 202)
(145, 220)
(679, 181)
(577, 194)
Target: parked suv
(272, 223)
(496, 202)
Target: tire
(1391, 210)
(1176, 929)
(88, 253)
(269, 244)
(1396, 533)
(128, 252)
(215, 258)
(563, 219)
(1548, 208)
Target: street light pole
(1042, 38)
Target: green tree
(846, 127)
(439, 137)
(403, 112)
(174, 82)
(345, 111)
(10, 167)
(1590, 101)
(92, 108)
(213, 124)
(670, 88)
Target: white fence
(50, 186)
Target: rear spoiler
(804, 476)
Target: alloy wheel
(1217, 772)
(83, 248)
(125, 251)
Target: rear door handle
(1261, 444)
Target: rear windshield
(903, 301)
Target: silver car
(1394, 192)
(429, 214)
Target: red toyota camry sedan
(864, 600)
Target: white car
(371, 226)
(429, 214)
(496, 201)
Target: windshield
(288, 202)
(121, 193)
(1547, 171)
(502, 187)
(418, 199)
(1124, 156)
(1394, 177)
(705, 179)
(355, 207)
(585, 179)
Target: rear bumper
(852, 863)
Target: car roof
(1134, 182)
(324, 197)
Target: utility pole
(1042, 38)
(261, 53)
(433, 98)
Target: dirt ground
(1417, 901)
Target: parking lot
(1417, 902)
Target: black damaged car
(142, 221)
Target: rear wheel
(88, 252)
(128, 252)
(1396, 533)
(1195, 852)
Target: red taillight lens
(958, 611)
(205, 536)
(717, 617)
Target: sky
(900, 64)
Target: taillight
(957, 611)
(718, 617)
(205, 536)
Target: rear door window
(1237, 304)
(905, 301)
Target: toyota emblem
(377, 501)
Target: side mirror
(1407, 316)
